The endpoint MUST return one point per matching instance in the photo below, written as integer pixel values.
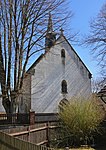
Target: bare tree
(97, 39)
(98, 84)
(22, 31)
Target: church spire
(50, 25)
(50, 35)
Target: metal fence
(27, 118)
(16, 118)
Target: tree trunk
(6, 104)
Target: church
(55, 77)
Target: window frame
(63, 53)
(64, 87)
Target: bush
(82, 118)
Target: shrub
(82, 118)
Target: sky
(83, 11)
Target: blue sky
(83, 11)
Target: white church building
(57, 75)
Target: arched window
(63, 53)
(63, 56)
(63, 103)
(64, 86)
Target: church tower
(50, 35)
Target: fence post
(32, 117)
(9, 118)
(28, 133)
(47, 134)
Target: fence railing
(8, 142)
(38, 133)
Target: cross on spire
(61, 30)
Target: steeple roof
(50, 35)
(50, 25)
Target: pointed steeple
(50, 25)
(50, 35)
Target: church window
(63, 56)
(64, 87)
(63, 103)
(63, 53)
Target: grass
(82, 149)
(81, 117)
